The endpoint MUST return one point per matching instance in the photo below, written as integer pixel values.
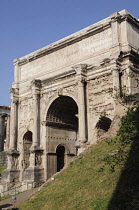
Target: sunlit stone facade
(68, 95)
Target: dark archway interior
(27, 142)
(60, 157)
(104, 124)
(28, 136)
(62, 113)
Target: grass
(88, 183)
(105, 177)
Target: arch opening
(27, 142)
(103, 125)
(60, 151)
(63, 113)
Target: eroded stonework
(68, 95)
(4, 127)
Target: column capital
(14, 94)
(80, 69)
(115, 69)
(36, 86)
(36, 83)
(81, 80)
(14, 91)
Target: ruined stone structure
(4, 127)
(4, 133)
(67, 95)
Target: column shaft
(1, 133)
(13, 125)
(8, 132)
(129, 82)
(36, 120)
(116, 82)
(82, 117)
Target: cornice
(84, 33)
(78, 36)
(59, 76)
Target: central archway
(62, 129)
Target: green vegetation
(106, 176)
(5, 197)
(2, 167)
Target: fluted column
(8, 132)
(13, 119)
(81, 79)
(36, 116)
(82, 112)
(36, 84)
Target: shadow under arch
(126, 194)
(54, 98)
(62, 112)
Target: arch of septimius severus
(67, 95)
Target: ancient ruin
(68, 95)
(4, 127)
(4, 133)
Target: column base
(33, 177)
(9, 178)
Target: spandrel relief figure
(38, 160)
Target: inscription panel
(68, 55)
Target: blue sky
(27, 25)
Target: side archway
(60, 151)
(27, 142)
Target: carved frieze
(26, 115)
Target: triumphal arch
(68, 95)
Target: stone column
(81, 79)
(1, 132)
(11, 174)
(8, 132)
(82, 112)
(129, 81)
(34, 174)
(36, 84)
(13, 119)
(116, 82)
